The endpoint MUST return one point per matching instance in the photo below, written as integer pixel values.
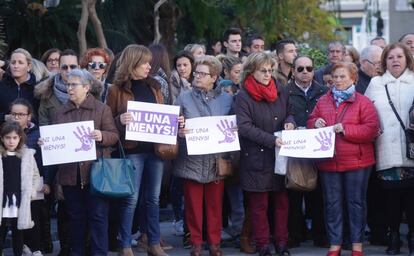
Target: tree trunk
(97, 25)
(157, 34)
(83, 22)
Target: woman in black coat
(261, 107)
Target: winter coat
(355, 148)
(29, 184)
(178, 84)
(10, 90)
(197, 103)
(49, 103)
(257, 122)
(390, 146)
(90, 109)
(363, 82)
(301, 105)
(117, 99)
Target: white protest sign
(152, 122)
(213, 134)
(67, 143)
(308, 143)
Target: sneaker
(37, 253)
(26, 251)
(178, 227)
(134, 243)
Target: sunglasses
(308, 68)
(66, 67)
(99, 65)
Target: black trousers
(376, 215)
(398, 200)
(33, 236)
(17, 235)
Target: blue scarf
(340, 96)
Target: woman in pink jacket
(344, 177)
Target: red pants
(211, 194)
(258, 206)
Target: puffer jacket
(355, 148)
(197, 103)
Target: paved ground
(167, 232)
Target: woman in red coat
(344, 177)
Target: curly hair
(87, 57)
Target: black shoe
(282, 250)
(410, 238)
(265, 251)
(393, 244)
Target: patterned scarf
(59, 89)
(340, 96)
(260, 91)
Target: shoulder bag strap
(341, 116)
(393, 107)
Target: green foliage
(319, 57)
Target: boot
(410, 237)
(156, 250)
(215, 250)
(393, 244)
(246, 246)
(126, 252)
(196, 250)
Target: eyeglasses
(99, 65)
(265, 71)
(66, 67)
(72, 85)
(52, 60)
(374, 63)
(308, 68)
(200, 74)
(18, 115)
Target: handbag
(224, 166)
(166, 151)
(409, 134)
(113, 177)
(301, 174)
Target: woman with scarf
(261, 107)
(344, 177)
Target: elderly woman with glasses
(86, 210)
(203, 188)
(344, 177)
(261, 107)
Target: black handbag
(113, 177)
(409, 134)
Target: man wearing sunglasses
(304, 93)
(336, 53)
(370, 60)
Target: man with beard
(336, 53)
(370, 60)
(286, 52)
(304, 93)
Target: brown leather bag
(166, 151)
(301, 174)
(224, 166)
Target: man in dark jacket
(304, 93)
(336, 53)
(370, 60)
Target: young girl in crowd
(21, 112)
(19, 177)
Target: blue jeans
(177, 195)
(149, 168)
(86, 212)
(350, 188)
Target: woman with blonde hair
(262, 107)
(133, 83)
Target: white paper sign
(152, 122)
(308, 143)
(67, 143)
(213, 134)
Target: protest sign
(308, 143)
(67, 143)
(152, 122)
(213, 134)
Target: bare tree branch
(83, 22)
(97, 25)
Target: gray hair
(83, 74)
(39, 70)
(368, 51)
(337, 43)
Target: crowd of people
(363, 191)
